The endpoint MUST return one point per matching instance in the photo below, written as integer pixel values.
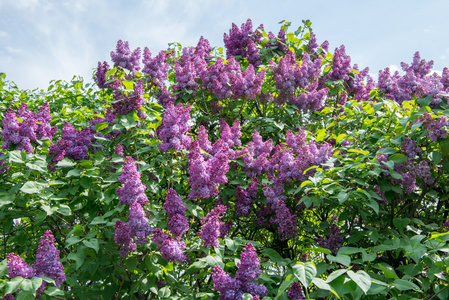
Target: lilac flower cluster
(416, 81)
(255, 155)
(435, 129)
(423, 171)
(242, 42)
(341, 66)
(286, 220)
(109, 117)
(175, 208)
(132, 194)
(333, 242)
(291, 76)
(100, 77)
(125, 102)
(206, 174)
(47, 264)
(125, 58)
(243, 198)
(245, 279)
(74, 144)
(212, 228)
(47, 260)
(156, 67)
(174, 128)
(295, 292)
(171, 248)
(356, 86)
(34, 126)
(410, 148)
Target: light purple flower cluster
(125, 58)
(341, 66)
(243, 198)
(171, 248)
(206, 174)
(212, 227)
(255, 155)
(34, 126)
(18, 267)
(410, 148)
(47, 260)
(295, 292)
(416, 81)
(291, 76)
(356, 86)
(156, 67)
(245, 279)
(74, 144)
(132, 193)
(241, 42)
(132, 190)
(435, 129)
(333, 242)
(175, 208)
(286, 220)
(174, 128)
(119, 150)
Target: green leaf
(349, 250)
(13, 285)
(401, 223)
(404, 285)
(53, 291)
(425, 101)
(17, 157)
(287, 282)
(398, 158)
(27, 286)
(64, 210)
(72, 241)
(305, 272)
(93, 244)
(387, 150)
(362, 279)
(101, 126)
(274, 256)
(32, 187)
(341, 259)
(336, 274)
(388, 271)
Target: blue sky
(41, 40)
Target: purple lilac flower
(333, 242)
(18, 267)
(210, 231)
(124, 102)
(138, 223)
(423, 171)
(34, 126)
(445, 78)
(171, 249)
(410, 148)
(175, 209)
(124, 238)
(157, 68)
(286, 220)
(74, 144)
(132, 190)
(174, 128)
(357, 87)
(295, 292)
(47, 260)
(240, 42)
(341, 65)
(118, 150)
(125, 58)
(446, 224)
(8, 297)
(435, 129)
(245, 279)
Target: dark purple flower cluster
(295, 292)
(243, 198)
(34, 126)
(356, 86)
(286, 220)
(125, 58)
(341, 65)
(109, 117)
(174, 128)
(245, 279)
(206, 174)
(132, 193)
(446, 224)
(47, 260)
(435, 129)
(333, 242)
(241, 42)
(423, 171)
(212, 227)
(74, 144)
(126, 102)
(100, 77)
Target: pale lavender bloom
(435, 129)
(125, 58)
(174, 128)
(138, 223)
(423, 171)
(132, 190)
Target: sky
(44, 40)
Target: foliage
(276, 170)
